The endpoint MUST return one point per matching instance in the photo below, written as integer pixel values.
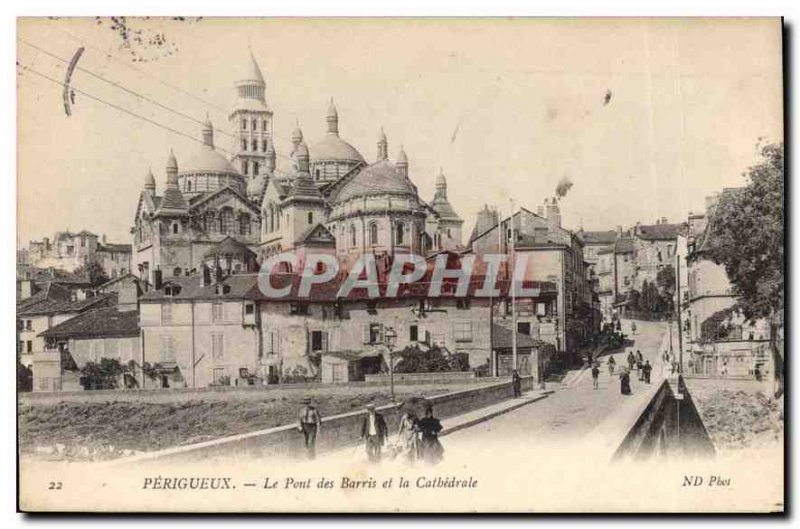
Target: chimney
(205, 276)
(157, 279)
(26, 289)
(553, 214)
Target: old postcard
(400, 265)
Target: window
(244, 167)
(189, 186)
(317, 174)
(211, 222)
(255, 168)
(174, 227)
(166, 314)
(255, 125)
(310, 217)
(29, 325)
(298, 309)
(400, 233)
(373, 234)
(524, 327)
(413, 333)
(244, 145)
(29, 347)
(264, 145)
(226, 221)
(319, 341)
(244, 124)
(352, 235)
(216, 312)
(249, 309)
(253, 145)
(264, 124)
(83, 242)
(217, 346)
(462, 331)
(373, 333)
(463, 303)
(218, 376)
(244, 224)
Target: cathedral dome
(332, 148)
(204, 159)
(382, 178)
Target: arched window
(449, 234)
(244, 224)
(373, 234)
(264, 144)
(254, 145)
(211, 222)
(317, 174)
(226, 221)
(244, 124)
(255, 168)
(244, 145)
(189, 186)
(400, 233)
(353, 235)
(311, 217)
(255, 124)
(264, 125)
(177, 271)
(175, 227)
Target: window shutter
(366, 333)
(324, 340)
(382, 334)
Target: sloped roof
(60, 306)
(598, 237)
(112, 247)
(230, 246)
(624, 245)
(502, 339)
(238, 285)
(659, 232)
(333, 148)
(97, 323)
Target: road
(573, 410)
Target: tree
(747, 238)
(103, 374)
(94, 272)
(434, 360)
(665, 279)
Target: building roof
(659, 232)
(333, 148)
(113, 247)
(230, 246)
(205, 159)
(97, 323)
(598, 237)
(249, 72)
(443, 208)
(48, 275)
(380, 178)
(624, 245)
(52, 305)
(606, 249)
(234, 287)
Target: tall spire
(383, 146)
(150, 181)
(441, 185)
(208, 132)
(297, 136)
(270, 165)
(332, 119)
(402, 162)
(172, 202)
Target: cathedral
(230, 213)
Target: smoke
(563, 186)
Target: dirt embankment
(106, 430)
(738, 414)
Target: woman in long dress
(625, 382)
(407, 433)
(430, 449)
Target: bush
(434, 360)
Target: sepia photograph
(400, 265)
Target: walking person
(633, 328)
(516, 383)
(625, 382)
(407, 433)
(595, 376)
(631, 360)
(647, 369)
(430, 449)
(374, 432)
(611, 365)
(309, 425)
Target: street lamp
(390, 339)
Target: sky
(505, 107)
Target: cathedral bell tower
(251, 123)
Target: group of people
(418, 438)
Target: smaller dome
(205, 159)
(402, 159)
(377, 179)
(334, 148)
(172, 163)
(440, 180)
(150, 180)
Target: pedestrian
(633, 328)
(374, 432)
(516, 383)
(407, 434)
(631, 360)
(431, 450)
(625, 382)
(309, 425)
(595, 376)
(611, 364)
(647, 368)
(758, 372)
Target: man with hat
(310, 423)
(375, 432)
